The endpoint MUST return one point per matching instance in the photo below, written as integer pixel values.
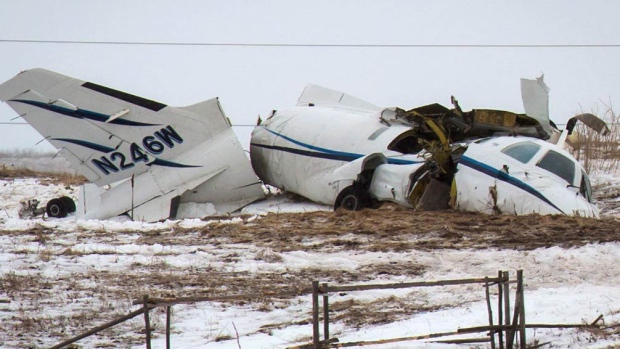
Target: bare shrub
(595, 151)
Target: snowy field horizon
(63, 277)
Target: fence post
(315, 315)
(325, 312)
(514, 325)
(490, 310)
(500, 305)
(521, 308)
(147, 325)
(168, 313)
(506, 303)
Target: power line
(307, 45)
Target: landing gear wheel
(352, 198)
(69, 203)
(56, 208)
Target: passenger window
(522, 151)
(558, 164)
(585, 188)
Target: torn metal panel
(394, 183)
(535, 96)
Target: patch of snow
(562, 285)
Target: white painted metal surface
(175, 155)
(330, 141)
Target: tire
(69, 203)
(352, 198)
(56, 208)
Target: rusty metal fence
(501, 330)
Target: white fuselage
(313, 151)
(307, 150)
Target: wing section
(109, 135)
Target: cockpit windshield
(523, 151)
(559, 165)
(585, 188)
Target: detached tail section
(110, 136)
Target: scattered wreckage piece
(143, 158)
(338, 150)
(56, 208)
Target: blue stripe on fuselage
(502, 176)
(323, 153)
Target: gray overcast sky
(254, 80)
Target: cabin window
(558, 164)
(585, 188)
(406, 143)
(522, 151)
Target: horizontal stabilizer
(209, 112)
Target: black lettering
(137, 154)
(105, 165)
(152, 145)
(123, 160)
(168, 135)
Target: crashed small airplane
(338, 150)
(152, 161)
(143, 158)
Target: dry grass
(390, 228)
(68, 179)
(25, 153)
(595, 151)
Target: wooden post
(99, 328)
(147, 326)
(521, 309)
(510, 336)
(500, 305)
(168, 311)
(325, 313)
(490, 310)
(506, 277)
(315, 315)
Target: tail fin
(106, 134)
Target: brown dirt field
(390, 228)
(393, 228)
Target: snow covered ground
(63, 277)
